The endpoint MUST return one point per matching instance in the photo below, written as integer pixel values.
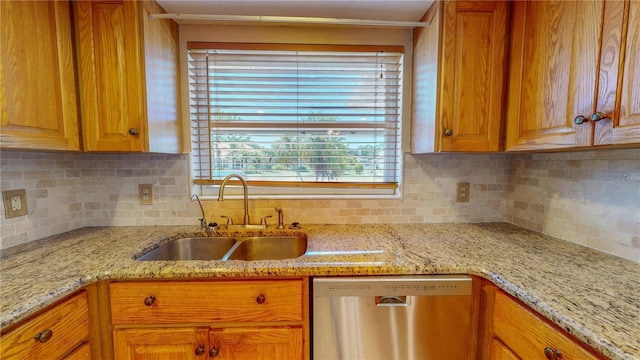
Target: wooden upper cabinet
(459, 70)
(574, 79)
(553, 75)
(37, 78)
(128, 76)
(619, 82)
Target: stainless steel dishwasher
(392, 317)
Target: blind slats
(292, 117)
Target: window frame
(193, 32)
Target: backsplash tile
(590, 198)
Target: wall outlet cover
(15, 203)
(463, 192)
(145, 194)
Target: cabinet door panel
(626, 127)
(472, 86)
(258, 343)
(66, 323)
(527, 335)
(158, 344)
(554, 60)
(37, 77)
(206, 301)
(111, 80)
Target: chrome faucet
(246, 194)
(203, 221)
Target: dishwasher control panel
(427, 285)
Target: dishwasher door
(392, 317)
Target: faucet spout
(245, 192)
(203, 220)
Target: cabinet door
(156, 344)
(257, 343)
(528, 336)
(108, 46)
(37, 77)
(619, 82)
(554, 57)
(473, 61)
(50, 335)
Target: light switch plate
(145, 193)
(15, 203)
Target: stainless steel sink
(230, 248)
(194, 248)
(268, 248)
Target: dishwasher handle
(392, 300)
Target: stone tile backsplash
(551, 193)
(590, 198)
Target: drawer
(528, 335)
(172, 302)
(68, 323)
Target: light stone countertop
(594, 296)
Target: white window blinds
(296, 115)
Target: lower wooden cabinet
(201, 319)
(60, 332)
(173, 343)
(260, 343)
(509, 330)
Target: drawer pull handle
(149, 300)
(133, 131)
(261, 299)
(44, 336)
(199, 350)
(598, 115)
(580, 119)
(214, 352)
(552, 354)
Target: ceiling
(389, 10)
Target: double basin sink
(248, 248)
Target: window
(296, 119)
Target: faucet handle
(263, 221)
(229, 219)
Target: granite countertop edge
(62, 264)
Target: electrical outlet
(145, 193)
(462, 192)
(15, 203)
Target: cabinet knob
(597, 116)
(149, 300)
(199, 350)
(44, 336)
(448, 132)
(214, 352)
(261, 299)
(552, 354)
(580, 119)
(133, 131)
